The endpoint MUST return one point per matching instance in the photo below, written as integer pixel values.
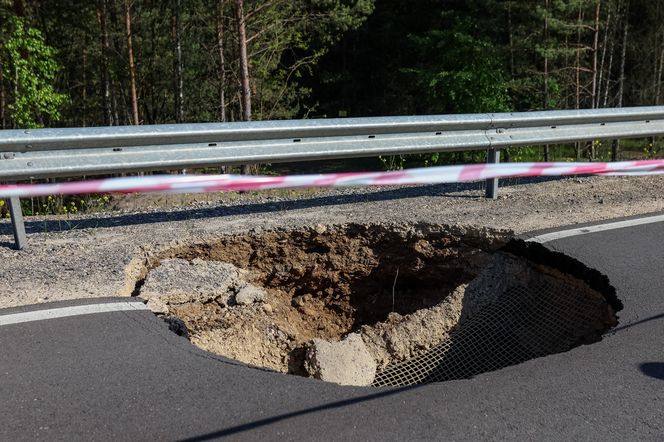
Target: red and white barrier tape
(428, 175)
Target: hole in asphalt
(377, 304)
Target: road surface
(115, 372)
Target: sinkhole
(381, 305)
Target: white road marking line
(594, 229)
(64, 312)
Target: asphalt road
(122, 375)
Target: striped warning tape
(428, 175)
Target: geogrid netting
(523, 323)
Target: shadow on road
(271, 420)
(653, 369)
(643, 321)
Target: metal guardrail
(45, 153)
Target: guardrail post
(17, 223)
(493, 156)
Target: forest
(120, 62)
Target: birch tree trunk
(602, 64)
(85, 83)
(658, 80)
(593, 90)
(132, 67)
(179, 86)
(623, 58)
(116, 42)
(595, 52)
(102, 20)
(3, 100)
(222, 59)
(577, 95)
(659, 57)
(607, 86)
(615, 148)
(658, 89)
(245, 83)
(510, 30)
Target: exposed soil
(325, 282)
(404, 289)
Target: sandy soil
(319, 283)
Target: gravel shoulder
(102, 255)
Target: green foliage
(332, 58)
(652, 150)
(287, 38)
(32, 69)
(287, 41)
(453, 71)
(468, 78)
(333, 18)
(526, 153)
(393, 162)
(65, 205)
(4, 211)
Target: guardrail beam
(71, 152)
